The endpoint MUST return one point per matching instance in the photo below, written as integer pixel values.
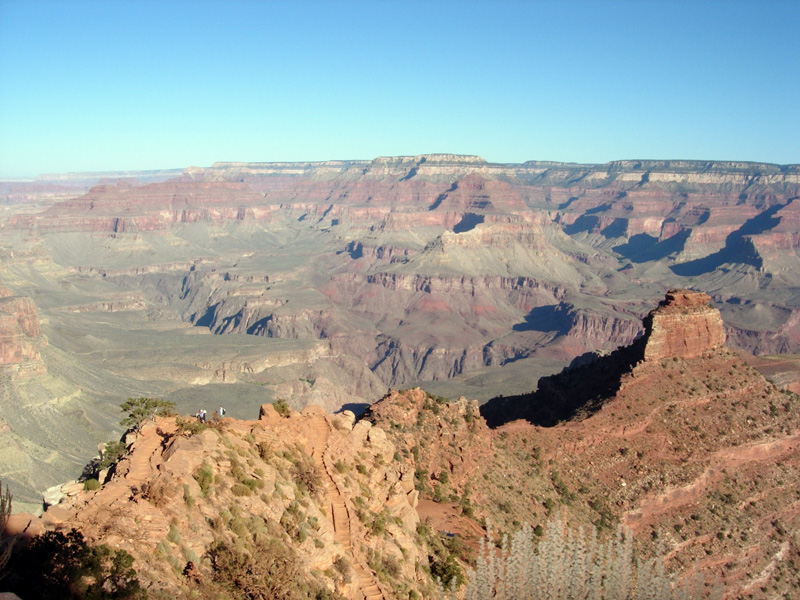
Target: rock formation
(21, 338)
(318, 484)
(684, 325)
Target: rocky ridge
(298, 480)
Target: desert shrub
(448, 571)
(174, 535)
(187, 496)
(306, 476)
(91, 485)
(466, 503)
(239, 526)
(205, 478)
(378, 525)
(240, 489)
(469, 415)
(570, 564)
(190, 555)
(343, 567)
(112, 452)
(163, 548)
(63, 565)
(264, 450)
(157, 493)
(386, 566)
(281, 406)
(267, 570)
(190, 426)
(421, 478)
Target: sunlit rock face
(684, 325)
(20, 334)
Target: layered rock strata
(683, 326)
(21, 336)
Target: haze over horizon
(93, 86)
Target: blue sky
(116, 85)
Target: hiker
(221, 412)
(202, 415)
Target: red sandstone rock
(268, 414)
(684, 325)
(23, 524)
(20, 334)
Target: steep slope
(690, 447)
(47, 425)
(185, 496)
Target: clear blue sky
(117, 85)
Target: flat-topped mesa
(684, 325)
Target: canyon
(693, 450)
(330, 283)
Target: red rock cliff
(20, 335)
(683, 325)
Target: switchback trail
(366, 582)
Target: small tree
(63, 565)
(140, 409)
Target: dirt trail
(139, 470)
(340, 513)
(145, 447)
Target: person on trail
(202, 415)
(221, 412)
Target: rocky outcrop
(21, 338)
(312, 482)
(684, 325)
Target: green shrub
(205, 478)
(187, 496)
(281, 406)
(240, 489)
(112, 452)
(174, 535)
(91, 485)
(190, 426)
